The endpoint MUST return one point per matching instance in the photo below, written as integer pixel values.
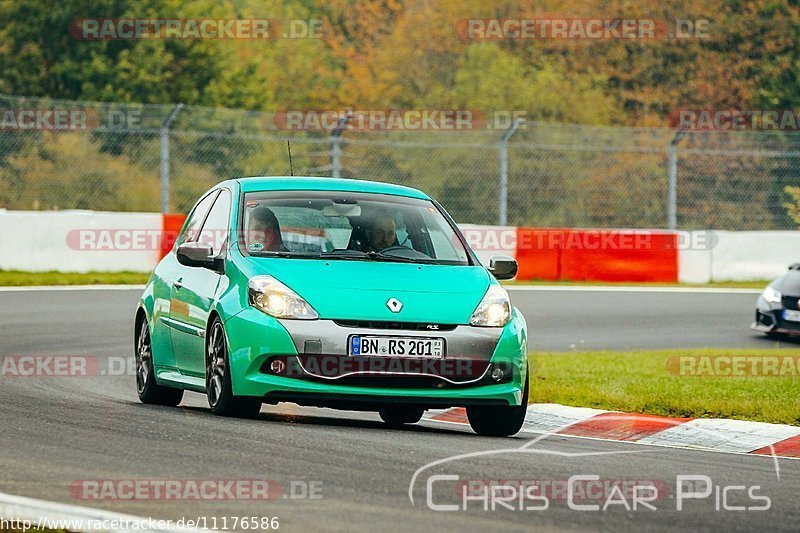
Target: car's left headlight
(772, 295)
(494, 310)
(276, 299)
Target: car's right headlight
(772, 295)
(276, 299)
(494, 310)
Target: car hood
(359, 290)
(789, 284)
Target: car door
(193, 292)
(167, 271)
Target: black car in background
(778, 307)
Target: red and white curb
(715, 434)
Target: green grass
(13, 278)
(749, 284)
(641, 382)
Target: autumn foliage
(408, 54)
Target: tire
(219, 390)
(399, 416)
(499, 421)
(148, 390)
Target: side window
(216, 228)
(196, 218)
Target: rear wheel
(399, 416)
(148, 390)
(218, 379)
(499, 421)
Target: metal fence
(153, 157)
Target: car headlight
(494, 310)
(276, 299)
(772, 295)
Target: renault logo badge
(394, 305)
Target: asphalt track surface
(56, 431)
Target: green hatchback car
(334, 293)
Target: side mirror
(195, 254)
(503, 267)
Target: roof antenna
(291, 166)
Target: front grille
(788, 325)
(790, 302)
(383, 324)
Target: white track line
(631, 288)
(36, 288)
(39, 511)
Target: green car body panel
(178, 317)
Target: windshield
(348, 226)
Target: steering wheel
(408, 252)
(395, 247)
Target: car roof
(308, 183)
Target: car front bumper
(315, 368)
(769, 316)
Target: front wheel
(146, 387)
(499, 421)
(218, 379)
(399, 416)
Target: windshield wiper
(295, 255)
(345, 254)
(386, 257)
(358, 255)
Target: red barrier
(597, 255)
(539, 253)
(624, 255)
(171, 224)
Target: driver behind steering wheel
(382, 234)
